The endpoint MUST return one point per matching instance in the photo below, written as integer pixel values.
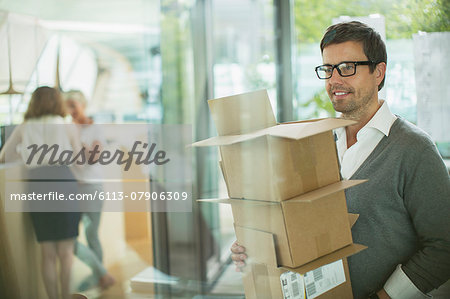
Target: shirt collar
(382, 120)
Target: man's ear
(380, 71)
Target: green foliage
(175, 40)
(320, 104)
(254, 79)
(403, 17)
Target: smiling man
(404, 208)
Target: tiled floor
(130, 264)
(229, 284)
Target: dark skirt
(54, 226)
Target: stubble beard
(355, 107)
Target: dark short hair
(45, 101)
(373, 46)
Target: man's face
(75, 109)
(351, 95)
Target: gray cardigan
(404, 213)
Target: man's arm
(427, 199)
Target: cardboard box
(263, 281)
(305, 227)
(261, 160)
(287, 199)
(331, 281)
(242, 113)
(262, 277)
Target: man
(405, 206)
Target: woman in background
(55, 231)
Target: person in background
(91, 255)
(55, 231)
(404, 207)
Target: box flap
(215, 200)
(259, 245)
(329, 258)
(291, 130)
(219, 140)
(242, 113)
(303, 121)
(324, 191)
(231, 139)
(306, 129)
(238, 201)
(352, 218)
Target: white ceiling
(144, 12)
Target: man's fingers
(239, 265)
(237, 248)
(238, 257)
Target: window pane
(403, 19)
(244, 47)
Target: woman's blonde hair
(75, 95)
(45, 101)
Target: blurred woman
(55, 231)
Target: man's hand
(383, 295)
(238, 256)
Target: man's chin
(344, 109)
(339, 107)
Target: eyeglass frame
(336, 66)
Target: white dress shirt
(367, 139)
(398, 286)
(47, 129)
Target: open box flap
(242, 113)
(238, 201)
(291, 130)
(215, 200)
(307, 197)
(259, 245)
(305, 129)
(218, 140)
(352, 218)
(324, 191)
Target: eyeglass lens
(344, 69)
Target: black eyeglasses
(345, 68)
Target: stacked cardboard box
(287, 198)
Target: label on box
(323, 279)
(314, 283)
(292, 285)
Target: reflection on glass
(244, 47)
